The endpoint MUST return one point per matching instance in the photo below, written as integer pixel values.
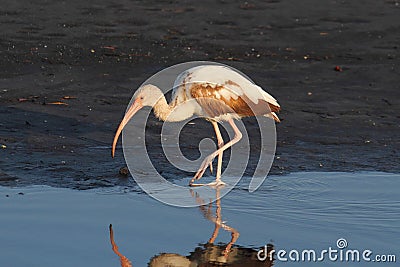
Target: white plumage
(230, 85)
(217, 93)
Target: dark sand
(346, 120)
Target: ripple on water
(362, 199)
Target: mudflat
(69, 69)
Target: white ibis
(216, 93)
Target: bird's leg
(219, 166)
(220, 144)
(210, 158)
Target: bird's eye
(141, 98)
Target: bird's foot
(207, 162)
(216, 183)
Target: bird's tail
(273, 116)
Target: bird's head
(147, 95)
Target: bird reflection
(209, 254)
(217, 220)
(125, 262)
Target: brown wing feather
(213, 106)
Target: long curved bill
(128, 115)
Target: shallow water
(44, 226)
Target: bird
(217, 93)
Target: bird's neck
(172, 112)
(162, 109)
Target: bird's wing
(220, 90)
(217, 100)
(180, 89)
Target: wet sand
(93, 56)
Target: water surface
(44, 226)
